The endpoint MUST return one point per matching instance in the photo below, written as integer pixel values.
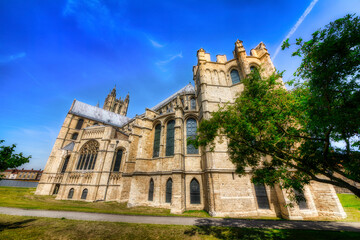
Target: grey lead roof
(69, 147)
(188, 89)
(98, 114)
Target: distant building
(102, 155)
(23, 174)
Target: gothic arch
(88, 154)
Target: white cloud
(155, 44)
(295, 27)
(160, 63)
(13, 57)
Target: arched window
(302, 200)
(261, 196)
(79, 123)
(117, 162)
(194, 192)
(66, 161)
(74, 136)
(56, 189)
(168, 190)
(156, 149)
(170, 137)
(192, 104)
(71, 193)
(88, 154)
(151, 190)
(235, 78)
(84, 193)
(191, 133)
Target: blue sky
(54, 51)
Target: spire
(98, 103)
(113, 92)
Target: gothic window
(156, 149)
(74, 136)
(84, 193)
(71, 193)
(151, 190)
(56, 189)
(168, 190)
(88, 154)
(191, 133)
(170, 137)
(192, 104)
(79, 124)
(261, 196)
(235, 78)
(117, 163)
(66, 161)
(301, 200)
(194, 192)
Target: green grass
(351, 205)
(18, 227)
(25, 198)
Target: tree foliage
(10, 159)
(310, 133)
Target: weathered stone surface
(222, 192)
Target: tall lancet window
(191, 133)
(156, 149)
(235, 78)
(151, 190)
(170, 138)
(168, 190)
(88, 155)
(117, 162)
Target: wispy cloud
(295, 27)
(155, 44)
(172, 58)
(13, 57)
(94, 17)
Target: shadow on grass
(14, 225)
(263, 229)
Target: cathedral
(102, 155)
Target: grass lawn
(25, 198)
(351, 205)
(17, 227)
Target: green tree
(289, 137)
(10, 159)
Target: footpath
(226, 222)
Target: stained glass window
(84, 193)
(191, 133)
(71, 193)
(118, 158)
(168, 190)
(156, 149)
(66, 161)
(79, 123)
(194, 192)
(151, 190)
(261, 196)
(88, 154)
(170, 138)
(192, 104)
(235, 78)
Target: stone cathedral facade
(102, 155)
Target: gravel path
(228, 222)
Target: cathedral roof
(188, 89)
(98, 114)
